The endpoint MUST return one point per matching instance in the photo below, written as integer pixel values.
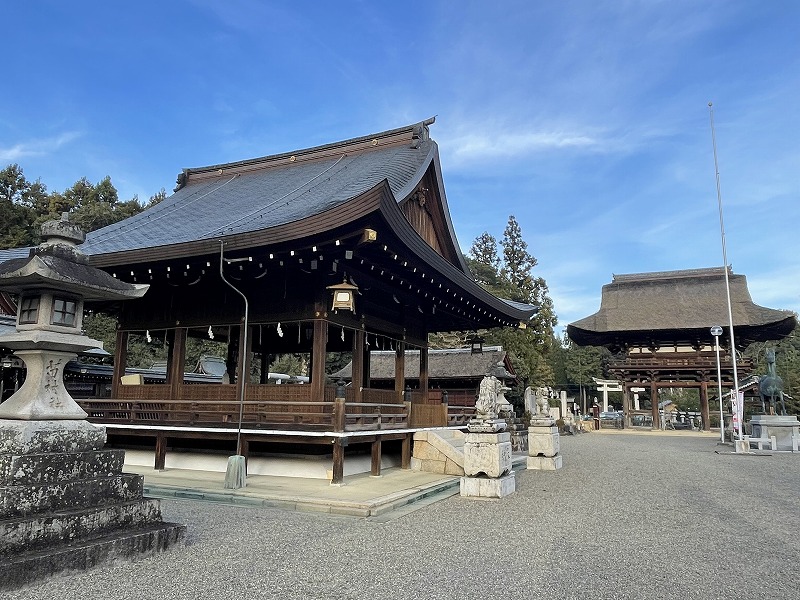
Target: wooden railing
(459, 415)
(265, 407)
(676, 361)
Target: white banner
(737, 408)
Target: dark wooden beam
(320, 341)
(176, 360)
(161, 452)
(704, 415)
(375, 467)
(423, 373)
(120, 361)
(358, 364)
(400, 367)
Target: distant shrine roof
(677, 307)
(451, 363)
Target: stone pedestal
(543, 445)
(783, 427)
(487, 465)
(483, 487)
(544, 463)
(65, 503)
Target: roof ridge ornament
(420, 134)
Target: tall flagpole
(727, 282)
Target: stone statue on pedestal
(487, 448)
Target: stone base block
(487, 454)
(544, 463)
(26, 568)
(488, 487)
(543, 444)
(33, 469)
(61, 436)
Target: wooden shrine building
(454, 375)
(658, 327)
(330, 247)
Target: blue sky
(588, 121)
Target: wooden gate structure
(287, 230)
(658, 328)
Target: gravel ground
(628, 516)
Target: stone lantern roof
(58, 264)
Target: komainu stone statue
(542, 402)
(486, 404)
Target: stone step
(21, 500)
(35, 437)
(30, 469)
(22, 569)
(41, 531)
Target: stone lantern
(65, 503)
(52, 285)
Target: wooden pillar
(704, 405)
(423, 374)
(244, 450)
(358, 363)
(654, 404)
(339, 421)
(176, 360)
(626, 405)
(320, 342)
(367, 360)
(375, 470)
(338, 461)
(243, 360)
(120, 362)
(405, 452)
(161, 452)
(400, 368)
(232, 355)
(265, 360)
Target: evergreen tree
(18, 201)
(511, 277)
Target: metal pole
(716, 331)
(725, 269)
(242, 348)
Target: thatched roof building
(677, 307)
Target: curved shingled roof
(677, 307)
(245, 196)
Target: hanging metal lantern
(344, 296)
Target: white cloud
(488, 145)
(39, 147)
(776, 289)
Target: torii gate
(605, 386)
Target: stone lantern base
(66, 505)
